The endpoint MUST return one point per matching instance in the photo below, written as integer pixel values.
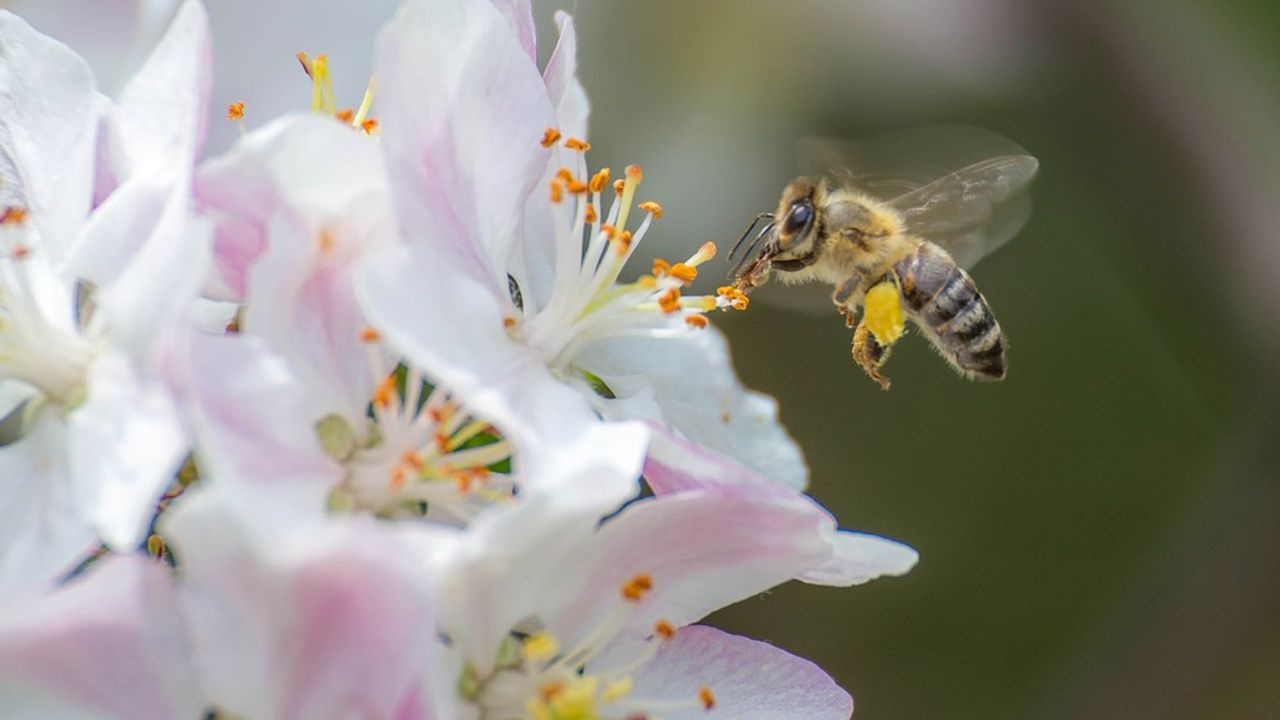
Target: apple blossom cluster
(366, 417)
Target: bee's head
(797, 219)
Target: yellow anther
(235, 111)
(616, 690)
(600, 180)
(156, 546)
(549, 137)
(650, 206)
(540, 646)
(697, 322)
(684, 273)
(576, 144)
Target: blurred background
(1100, 533)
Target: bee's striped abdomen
(945, 303)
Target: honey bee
(905, 255)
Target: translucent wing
(960, 187)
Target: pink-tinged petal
(124, 445)
(164, 109)
(561, 76)
(702, 549)
(108, 644)
(319, 620)
(691, 378)
(464, 109)
(47, 131)
(43, 533)
(277, 168)
(116, 230)
(750, 680)
(675, 465)
(451, 327)
(253, 422)
(335, 209)
(519, 17)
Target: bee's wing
(958, 186)
(972, 211)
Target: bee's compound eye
(797, 217)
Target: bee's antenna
(752, 247)
(747, 232)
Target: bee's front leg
(843, 299)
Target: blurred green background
(1100, 533)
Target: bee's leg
(883, 323)
(870, 354)
(841, 297)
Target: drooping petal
(47, 132)
(749, 679)
(675, 465)
(319, 620)
(692, 382)
(43, 534)
(449, 325)
(464, 108)
(108, 644)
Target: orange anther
(669, 301)
(684, 273)
(442, 440)
(13, 215)
(737, 299)
(650, 206)
(557, 192)
(619, 185)
(664, 629)
(508, 322)
(385, 391)
(591, 213)
(235, 111)
(305, 62)
(599, 180)
(564, 174)
(346, 115)
(398, 477)
(623, 242)
(608, 230)
(576, 144)
(325, 240)
(370, 126)
(370, 335)
(696, 322)
(706, 697)
(661, 267)
(577, 188)
(412, 459)
(549, 137)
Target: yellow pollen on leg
(733, 297)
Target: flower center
(420, 452)
(537, 679)
(587, 302)
(45, 338)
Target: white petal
(451, 327)
(561, 76)
(692, 380)
(860, 557)
(750, 680)
(47, 130)
(43, 530)
(125, 444)
(163, 110)
(519, 17)
(463, 110)
(107, 645)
